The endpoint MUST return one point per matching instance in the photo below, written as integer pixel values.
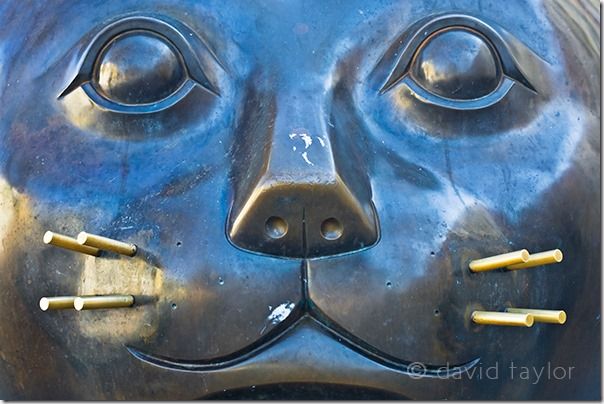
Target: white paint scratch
(293, 135)
(305, 157)
(307, 140)
(281, 312)
(320, 139)
(294, 148)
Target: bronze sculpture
(284, 199)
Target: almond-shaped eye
(141, 65)
(457, 64)
(138, 68)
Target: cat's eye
(456, 62)
(138, 68)
(139, 65)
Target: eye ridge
(508, 62)
(166, 35)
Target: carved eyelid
(518, 63)
(153, 26)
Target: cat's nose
(309, 197)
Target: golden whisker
(68, 243)
(102, 302)
(542, 316)
(105, 243)
(542, 258)
(56, 303)
(498, 318)
(499, 261)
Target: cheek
(32, 270)
(102, 276)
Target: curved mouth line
(305, 309)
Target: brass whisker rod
(498, 318)
(542, 316)
(542, 258)
(499, 261)
(102, 302)
(68, 243)
(57, 303)
(105, 243)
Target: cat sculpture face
(306, 184)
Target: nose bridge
(301, 149)
(300, 206)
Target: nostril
(331, 229)
(275, 227)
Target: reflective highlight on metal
(102, 302)
(542, 258)
(499, 261)
(542, 316)
(507, 319)
(107, 244)
(68, 243)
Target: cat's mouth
(303, 316)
